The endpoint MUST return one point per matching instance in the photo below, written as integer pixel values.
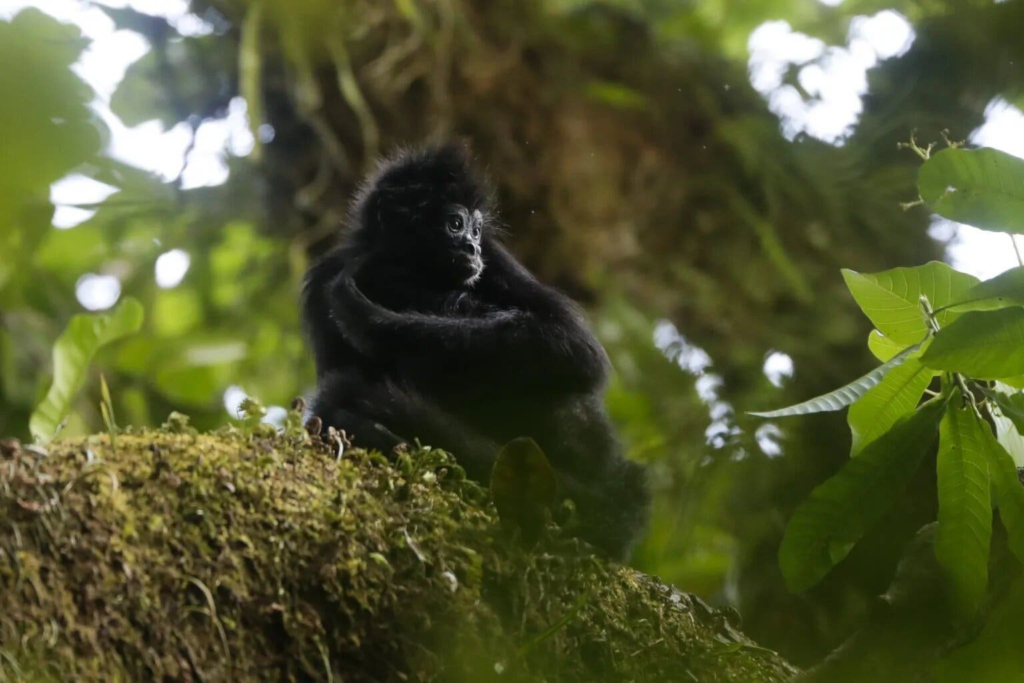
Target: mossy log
(235, 556)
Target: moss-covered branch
(173, 555)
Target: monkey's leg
(422, 419)
(341, 401)
(378, 411)
(612, 505)
(364, 432)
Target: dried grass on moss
(174, 555)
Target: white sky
(835, 78)
(171, 267)
(778, 367)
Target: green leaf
(47, 131)
(523, 485)
(843, 396)
(1006, 490)
(72, 252)
(176, 79)
(965, 506)
(891, 299)
(840, 511)
(152, 27)
(1006, 289)
(616, 95)
(1007, 411)
(981, 344)
(107, 411)
(411, 12)
(895, 396)
(979, 187)
(995, 655)
(1010, 405)
(881, 347)
(1014, 382)
(250, 71)
(72, 354)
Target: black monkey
(425, 327)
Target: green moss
(258, 556)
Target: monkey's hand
(502, 269)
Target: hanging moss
(174, 555)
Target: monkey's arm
(521, 345)
(331, 350)
(506, 284)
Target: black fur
(411, 338)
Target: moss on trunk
(174, 555)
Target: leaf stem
(955, 376)
(929, 314)
(1016, 248)
(968, 394)
(923, 152)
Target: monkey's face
(428, 211)
(463, 232)
(436, 241)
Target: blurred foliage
(636, 168)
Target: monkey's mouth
(472, 266)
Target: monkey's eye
(455, 224)
(476, 232)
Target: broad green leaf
(840, 511)
(981, 344)
(979, 187)
(1007, 491)
(891, 299)
(995, 655)
(843, 396)
(74, 350)
(1001, 291)
(965, 506)
(883, 348)
(895, 396)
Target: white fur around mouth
(478, 268)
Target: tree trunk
(252, 555)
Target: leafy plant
(931, 322)
(84, 336)
(107, 410)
